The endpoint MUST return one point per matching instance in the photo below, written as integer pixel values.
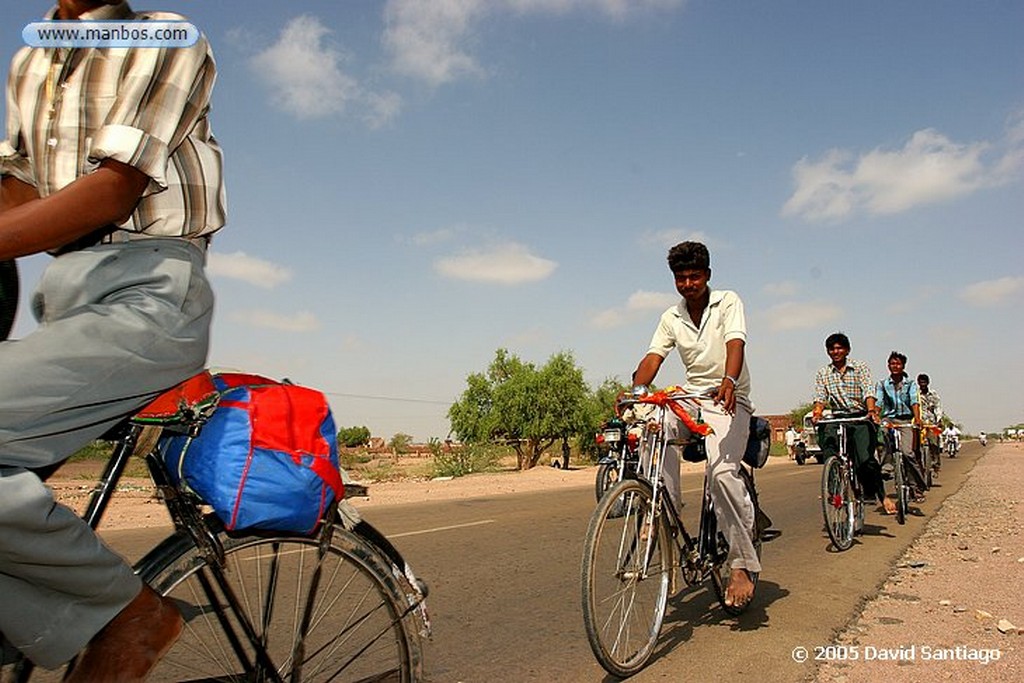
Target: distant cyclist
(845, 385)
(931, 414)
(951, 440)
(897, 397)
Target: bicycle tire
(838, 505)
(720, 570)
(899, 479)
(9, 286)
(625, 577)
(607, 476)
(360, 625)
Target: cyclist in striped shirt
(845, 385)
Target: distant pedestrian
(791, 438)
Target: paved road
(505, 586)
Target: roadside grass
(363, 465)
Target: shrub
(465, 459)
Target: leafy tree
(400, 443)
(526, 407)
(796, 416)
(353, 436)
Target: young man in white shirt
(708, 329)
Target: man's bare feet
(889, 506)
(128, 647)
(740, 590)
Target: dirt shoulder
(951, 609)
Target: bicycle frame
(696, 557)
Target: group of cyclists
(902, 405)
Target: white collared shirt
(702, 349)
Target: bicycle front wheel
(625, 577)
(837, 503)
(357, 621)
(899, 478)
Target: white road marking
(443, 528)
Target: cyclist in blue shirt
(897, 398)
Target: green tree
(526, 407)
(353, 436)
(400, 443)
(796, 416)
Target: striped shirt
(931, 407)
(69, 109)
(844, 390)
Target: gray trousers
(734, 510)
(119, 324)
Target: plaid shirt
(931, 407)
(69, 109)
(844, 390)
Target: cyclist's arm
(103, 197)
(726, 396)
(14, 193)
(647, 370)
(873, 411)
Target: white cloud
(795, 315)
(433, 237)
(991, 293)
(787, 288)
(301, 321)
(431, 40)
(673, 236)
(507, 264)
(928, 169)
(638, 302)
(255, 271)
(305, 76)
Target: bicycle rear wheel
(625, 577)
(837, 503)
(359, 626)
(607, 477)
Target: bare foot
(889, 506)
(129, 646)
(740, 590)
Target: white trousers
(119, 324)
(734, 509)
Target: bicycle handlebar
(846, 419)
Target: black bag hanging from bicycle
(759, 444)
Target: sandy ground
(952, 602)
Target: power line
(398, 399)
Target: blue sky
(413, 184)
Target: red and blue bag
(266, 456)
